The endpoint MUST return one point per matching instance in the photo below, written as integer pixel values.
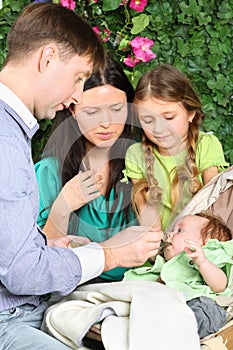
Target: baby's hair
(215, 228)
(167, 83)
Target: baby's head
(200, 228)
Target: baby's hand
(81, 189)
(195, 251)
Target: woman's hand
(80, 190)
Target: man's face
(61, 84)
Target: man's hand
(132, 246)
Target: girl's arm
(148, 214)
(209, 173)
(80, 190)
(214, 277)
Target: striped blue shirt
(29, 268)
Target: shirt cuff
(92, 260)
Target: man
(52, 51)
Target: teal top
(91, 220)
(209, 153)
(179, 274)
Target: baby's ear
(205, 240)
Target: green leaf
(215, 61)
(123, 44)
(139, 23)
(110, 5)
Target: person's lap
(20, 330)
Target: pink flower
(138, 5)
(96, 30)
(123, 2)
(142, 48)
(131, 61)
(106, 34)
(70, 4)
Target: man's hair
(215, 228)
(43, 23)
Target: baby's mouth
(164, 245)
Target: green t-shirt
(209, 153)
(179, 274)
(91, 220)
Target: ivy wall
(194, 35)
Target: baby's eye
(179, 230)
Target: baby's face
(187, 228)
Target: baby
(197, 261)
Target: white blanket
(135, 315)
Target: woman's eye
(147, 121)
(118, 109)
(90, 111)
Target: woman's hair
(68, 145)
(215, 228)
(42, 23)
(167, 83)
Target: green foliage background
(193, 35)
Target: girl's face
(102, 115)
(187, 228)
(165, 124)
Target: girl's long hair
(68, 145)
(167, 83)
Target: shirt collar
(9, 97)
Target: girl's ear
(191, 116)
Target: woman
(79, 175)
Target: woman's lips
(105, 135)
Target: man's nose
(78, 94)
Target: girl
(79, 176)
(174, 159)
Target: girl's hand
(195, 252)
(81, 189)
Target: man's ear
(48, 54)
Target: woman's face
(102, 115)
(165, 124)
